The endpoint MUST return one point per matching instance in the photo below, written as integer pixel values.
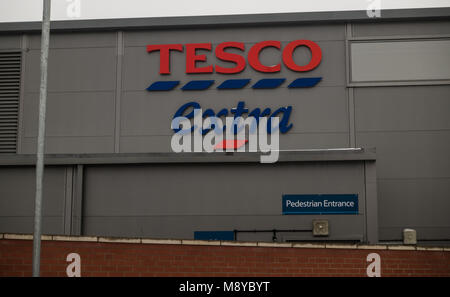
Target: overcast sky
(31, 10)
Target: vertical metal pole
(41, 140)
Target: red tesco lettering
(194, 56)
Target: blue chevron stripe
(197, 85)
(233, 84)
(268, 83)
(163, 85)
(305, 82)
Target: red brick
(99, 274)
(103, 259)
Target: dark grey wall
(98, 104)
(82, 86)
(173, 200)
(131, 201)
(17, 190)
(410, 126)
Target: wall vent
(10, 70)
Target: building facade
(366, 115)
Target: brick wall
(136, 257)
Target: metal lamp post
(41, 140)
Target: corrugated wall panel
(10, 67)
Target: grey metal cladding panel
(75, 70)
(413, 154)
(141, 68)
(79, 122)
(401, 28)
(71, 114)
(17, 199)
(313, 110)
(407, 60)
(160, 190)
(296, 141)
(409, 126)
(76, 40)
(289, 141)
(160, 200)
(242, 34)
(24, 225)
(425, 233)
(71, 145)
(145, 144)
(414, 203)
(402, 108)
(17, 190)
(183, 227)
(10, 42)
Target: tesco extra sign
(239, 61)
(196, 62)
